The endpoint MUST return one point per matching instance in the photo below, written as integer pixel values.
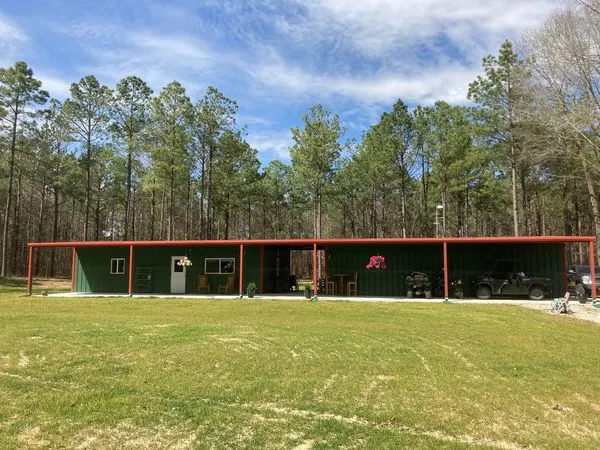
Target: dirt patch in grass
(128, 436)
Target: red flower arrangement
(376, 262)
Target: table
(341, 276)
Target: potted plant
(251, 289)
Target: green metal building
(154, 267)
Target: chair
(228, 286)
(203, 284)
(330, 286)
(353, 285)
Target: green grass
(150, 373)
(18, 285)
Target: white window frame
(220, 261)
(116, 272)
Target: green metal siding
(93, 267)
(465, 260)
(92, 270)
(400, 261)
(543, 260)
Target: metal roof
(326, 241)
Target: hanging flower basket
(376, 262)
(184, 262)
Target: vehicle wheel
(458, 293)
(581, 293)
(427, 294)
(409, 294)
(483, 292)
(536, 293)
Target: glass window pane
(113, 265)
(211, 265)
(227, 265)
(121, 265)
(176, 266)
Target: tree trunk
(202, 230)
(11, 168)
(171, 200)
(594, 204)
(128, 194)
(40, 228)
(162, 215)
(152, 212)
(88, 186)
(209, 195)
(227, 216)
(54, 233)
(513, 172)
(16, 234)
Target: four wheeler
(502, 279)
(418, 283)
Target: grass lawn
(150, 373)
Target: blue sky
(275, 57)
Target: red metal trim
(593, 270)
(323, 242)
(445, 271)
(564, 267)
(315, 269)
(73, 256)
(29, 270)
(130, 281)
(261, 281)
(241, 269)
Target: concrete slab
(276, 297)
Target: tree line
(522, 158)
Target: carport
(267, 260)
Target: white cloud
(271, 144)
(156, 59)
(12, 38)
(57, 87)
(449, 84)
(10, 32)
(382, 27)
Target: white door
(177, 276)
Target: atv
(418, 283)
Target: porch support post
(445, 271)
(261, 280)
(29, 270)
(593, 270)
(73, 256)
(241, 270)
(564, 268)
(130, 283)
(315, 269)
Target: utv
(502, 279)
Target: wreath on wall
(184, 262)
(376, 262)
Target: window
(117, 266)
(219, 266)
(176, 266)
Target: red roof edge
(327, 241)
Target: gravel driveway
(583, 312)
